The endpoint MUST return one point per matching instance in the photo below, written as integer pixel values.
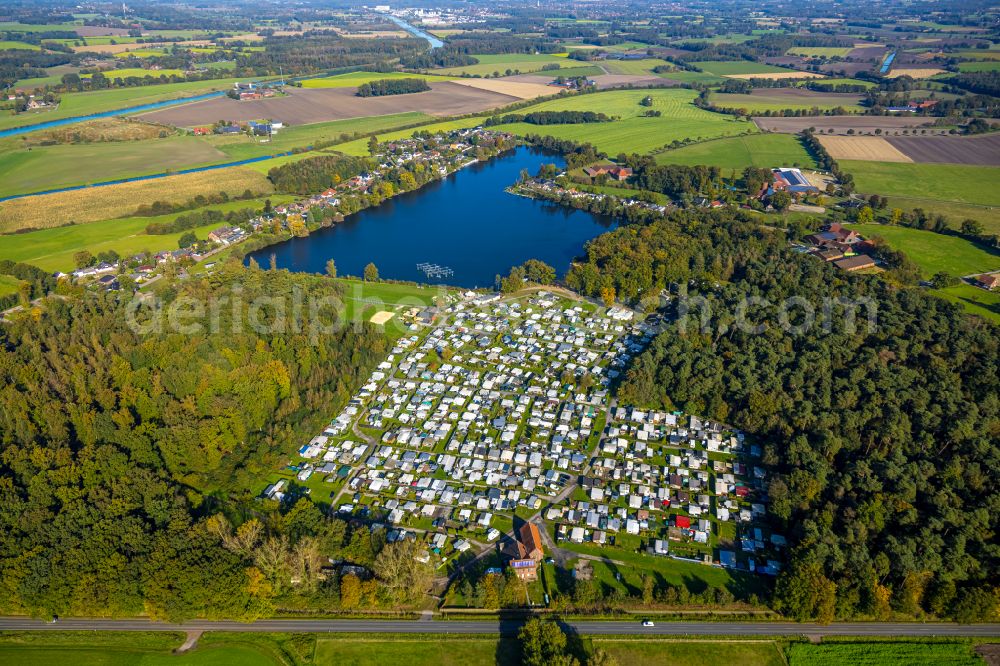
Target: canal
(466, 222)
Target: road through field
(509, 627)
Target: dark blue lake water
(466, 222)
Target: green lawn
(879, 653)
(78, 104)
(355, 79)
(680, 120)
(696, 577)
(944, 182)
(360, 146)
(935, 252)
(523, 62)
(53, 249)
(761, 150)
(690, 652)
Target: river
(466, 222)
(416, 32)
(24, 129)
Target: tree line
(550, 118)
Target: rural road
(509, 627)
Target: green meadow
(819, 51)
(42, 168)
(355, 79)
(523, 62)
(85, 103)
(53, 249)
(877, 653)
(957, 183)
(11, 46)
(935, 252)
(760, 150)
(725, 67)
(984, 66)
(636, 67)
(680, 120)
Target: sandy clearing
(916, 72)
(868, 148)
(381, 317)
(519, 89)
(776, 75)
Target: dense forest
(118, 449)
(882, 441)
(392, 87)
(315, 174)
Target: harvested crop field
(103, 203)
(916, 72)
(869, 148)
(301, 107)
(777, 99)
(841, 124)
(519, 89)
(984, 150)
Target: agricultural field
(359, 147)
(516, 62)
(842, 124)
(355, 79)
(11, 46)
(315, 105)
(42, 168)
(240, 147)
(637, 67)
(103, 203)
(760, 150)
(518, 89)
(743, 69)
(126, 72)
(944, 182)
(819, 51)
(779, 99)
(632, 133)
(934, 252)
(53, 249)
(869, 148)
(85, 103)
(984, 66)
(915, 72)
(988, 216)
(685, 76)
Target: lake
(466, 222)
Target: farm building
(855, 263)
(988, 281)
(791, 180)
(612, 171)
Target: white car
(648, 623)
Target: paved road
(508, 627)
